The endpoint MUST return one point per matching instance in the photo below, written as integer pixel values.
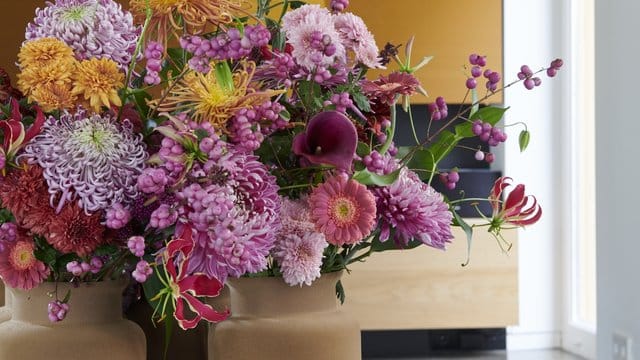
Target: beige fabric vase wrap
(272, 320)
(5, 309)
(93, 329)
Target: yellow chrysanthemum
(205, 99)
(57, 72)
(54, 97)
(194, 13)
(98, 81)
(42, 52)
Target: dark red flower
(184, 287)
(386, 88)
(518, 209)
(74, 231)
(330, 138)
(24, 190)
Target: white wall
(617, 171)
(531, 36)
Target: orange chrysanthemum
(58, 72)
(206, 99)
(54, 97)
(98, 81)
(43, 52)
(195, 14)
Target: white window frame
(578, 126)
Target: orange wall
(447, 29)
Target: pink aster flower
(356, 37)
(299, 247)
(343, 209)
(300, 258)
(19, 267)
(311, 32)
(413, 210)
(385, 88)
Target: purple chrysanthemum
(414, 210)
(92, 159)
(299, 247)
(357, 38)
(93, 28)
(238, 210)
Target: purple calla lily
(330, 138)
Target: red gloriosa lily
(183, 288)
(517, 209)
(330, 138)
(13, 131)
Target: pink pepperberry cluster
(117, 216)
(136, 245)
(57, 311)
(554, 67)
(80, 268)
(142, 272)
(171, 153)
(338, 5)
(530, 81)
(153, 181)
(450, 179)
(488, 133)
(249, 126)
(438, 109)
(380, 164)
(341, 101)
(478, 62)
(163, 217)
(153, 53)
(481, 155)
(230, 45)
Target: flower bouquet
(187, 142)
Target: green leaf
(296, 4)
(361, 100)
(523, 139)
(168, 332)
(201, 134)
(468, 230)
(67, 297)
(105, 250)
(368, 178)
(152, 286)
(423, 160)
(362, 149)
(340, 292)
(489, 114)
(474, 100)
(285, 114)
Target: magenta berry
(57, 311)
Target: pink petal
(201, 285)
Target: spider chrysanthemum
(194, 13)
(98, 81)
(91, 159)
(206, 99)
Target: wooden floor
(498, 355)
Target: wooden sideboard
(426, 288)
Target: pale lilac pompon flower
(92, 28)
(356, 37)
(311, 32)
(414, 210)
(299, 247)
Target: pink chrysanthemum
(413, 210)
(344, 210)
(315, 41)
(357, 38)
(299, 247)
(19, 267)
(386, 88)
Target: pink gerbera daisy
(19, 267)
(344, 210)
